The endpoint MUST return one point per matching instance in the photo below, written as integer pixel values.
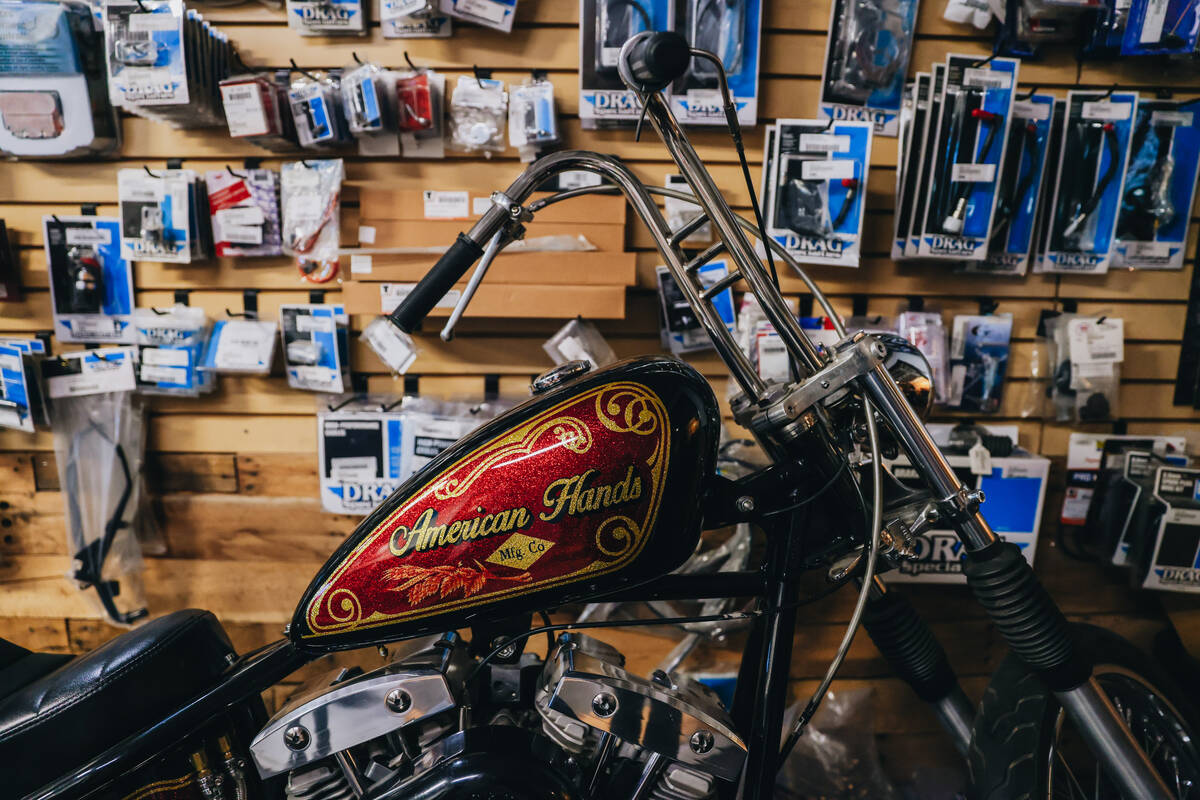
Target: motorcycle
(594, 491)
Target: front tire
(1024, 748)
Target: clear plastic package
(532, 119)
(170, 345)
(478, 114)
(310, 199)
(579, 340)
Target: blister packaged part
(908, 111)
(924, 162)
(395, 348)
(244, 207)
(979, 349)
(681, 331)
(367, 94)
(732, 30)
(926, 331)
(313, 342)
(414, 19)
(579, 340)
(1096, 348)
(817, 177)
(170, 345)
(478, 114)
(866, 61)
(1097, 132)
(496, 14)
(1161, 27)
(22, 399)
(160, 217)
(532, 117)
(91, 284)
(240, 347)
(416, 106)
(147, 63)
(327, 17)
(604, 26)
(1159, 187)
(969, 146)
(317, 111)
(616, 22)
(310, 202)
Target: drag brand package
(1170, 558)
(969, 139)
(22, 401)
(315, 342)
(866, 61)
(170, 345)
(817, 178)
(1161, 27)
(1119, 512)
(924, 151)
(979, 348)
(414, 19)
(91, 284)
(240, 346)
(161, 216)
(327, 17)
(1160, 184)
(53, 90)
(1097, 132)
(604, 26)
(310, 200)
(733, 31)
(146, 53)
(244, 207)
(316, 110)
(912, 120)
(681, 331)
(1086, 455)
(361, 452)
(1017, 201)
(497, 14)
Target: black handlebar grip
(657, 59)
(453, 264)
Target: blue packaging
(733, 31)
(91, 284)
(145, 52)
(866, 61)
(968, 149)
(326, 17)
(1160, 184)
(20, 396)
(1161, 27)
(315, 346)
(924, 148)
(604, 102)
(170, 345)
(1097, 131)
(979, 347)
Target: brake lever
(472, 284)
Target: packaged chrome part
(327, 17)
(866, 61)
(579, 340)
(1161, 27)
(368, 99)
(681, 212)
(912, 114)
(680, 330)
(240, 347)
(1160, 184)
(91, 284)
(421, 98)
(478, 114)
(317, 110)
(972, 134)
(164, 216)
(256, 109)
(817, 181)
(1097, 131)
(53, 92)
(732, 30)
(310, 203)
(413, 19)
(979, 348)
(498, 14)
(604, 26)
(146, 53)
(361, 452)
(532, 117)
(1104, 28)
(1171, 560)
(22, 401)
(170, 344)
(925, 158)
(1017, 199)
(926, 331)
(315, 354)
(244, 207)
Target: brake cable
(1108, 132)
(1010, 201)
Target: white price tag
(987, 78)
(981, 459)
(353, 468)
(89, 236)
(164, 357)
(390, 295)
(92, 326)
(447, 205)
(1105, 109)
(150, 373)
(826, 170)
(366, 234)
(394, 347)
(824, 143)
(1093, 341)
(973, 173)
(1149, 249)
(1171, 119)
(244, 110)
(484, 9)
(240, 234)
(241, 215)
(143, 23)
(307, 323)
(1085, 370)
(1153, 20)
(360, 264)
(1027, 109)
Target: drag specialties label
(1175, 565)
(567, 496)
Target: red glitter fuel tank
(592, 486)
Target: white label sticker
(973, 173)
(987, 78)
(484, 9)
(447, 205)
(824, 143)
(1027, 109)
(164, 357)
(241, 215)
(1105, 109)
(827, 170)
(241, 234)
(1153, 21)
(360, 264)
(307, 323)
(576, 179)
(244, 110)
(1094, 341)
(390, 295)
(353, 468)
(698, 99)
(1148, 249)
(480, 205)
(366, 234)
(981, 459)
(1171, 119)
(141, 23)
(150, 373)
(89, 236)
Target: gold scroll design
(569, 431)
(627, 408)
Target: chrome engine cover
(329, 715)
(673, 716)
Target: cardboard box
(541, 269)
(410, 204)
(497, 300)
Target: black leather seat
(67, 717)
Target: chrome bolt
(824, 384)
(701, 742)
(932, 515)
(296, 737)
(604, 704)
(397, 701)
(878, 350)
(745, 504)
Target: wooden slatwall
(234, 473)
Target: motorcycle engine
(576, 726)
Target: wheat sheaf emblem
(445, 580)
